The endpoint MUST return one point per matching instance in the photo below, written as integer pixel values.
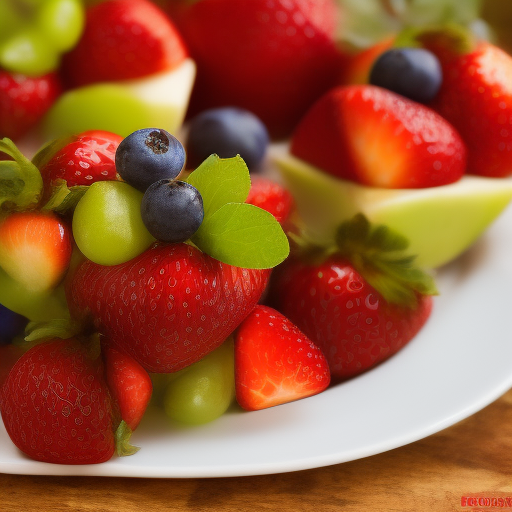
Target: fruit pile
(147, 252)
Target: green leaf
(380, 255)
(63, 198)
(123, 435)
(221, 181)
(21, 185)
(46, 152)
(243, 235)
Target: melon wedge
(440, 222)
(158, 101)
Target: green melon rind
(440, 222)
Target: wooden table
(471, 459)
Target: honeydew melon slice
(440, 222)
(158, 101)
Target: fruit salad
(228, 203)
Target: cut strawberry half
(35, 249)
(375, 137)
(275, 362)
(129, 384)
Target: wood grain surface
(473, 458)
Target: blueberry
(149, 155)
(11, 324)
(412, 72)
(227, 132)
(172, 210)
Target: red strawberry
(476, 97)
(9, 354)
(356, 324)
(378, 138)
(275, 362)
(24, 101)
(84, 159)
(169, 306)
(35, 249)
(272, 58)
(124, 39)
(56, 406)
(272, 197)
(129, 384)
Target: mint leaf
(243, 235)
(221, 181)
(21, 185)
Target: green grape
(61, 21)
(10, 21)
(203, 391)
(28, 52)
(39, 307)
(107, 226)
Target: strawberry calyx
(63, 199)
(445, 40)
(378, 253)
(21, 185)
(122, 437)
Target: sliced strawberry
(272, 197)
(56, 406)
(129, 384)
(84, 159)
(271, 58)
(356, 69)
(476, 97)
(375, 137)
(124, 39)
(35, 249)
(24, 101)
(275, 362)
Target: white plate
(460, 362)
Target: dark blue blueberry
(172, 210)
(11, 324)
(149, 155)
(227, 132)
(412, 72)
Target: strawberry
(272, 197)
(275, 362)
(360, 303)
(56, 406)
(356, 69)
(375, 137)
(169, 306)
(24, 101)
(35, 249)
(84, 159)
(271, 58)
(9, 354)
(476, 98)
(124, 39)
(129, 384)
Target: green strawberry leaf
(243, 235)
(46, 152)
(221, 181)
(21, 185)
(123, 435)
(453, 38)
(380, 256)
(63, 198)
